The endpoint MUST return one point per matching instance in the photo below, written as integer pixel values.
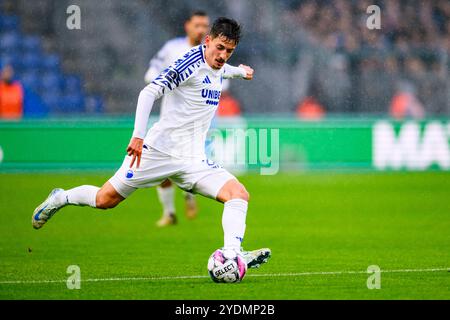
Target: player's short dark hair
(226, 27)
(196, 13)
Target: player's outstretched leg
(166, 196)
(235, 198)
(102, 198)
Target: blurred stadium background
(323, 78)
(299, 48)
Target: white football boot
(256, 258)
(47, 209)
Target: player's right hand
(249, 71)
(134, 149)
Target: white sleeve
(231, 72)
(144, 107)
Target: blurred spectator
(405, 102)
(413, 44)
(229, 106)
(298, 42)
(11, 95)
(310, 109)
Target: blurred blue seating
(9, 23)
(51, 81)
(31, 44)
(72, 103)
(50, 62)
(52, 100)
(31, 60)
(48, 90)
(11, 58)
(9, 41)
(73, 84)
(33, 106)
(94, 104)
(30, 80)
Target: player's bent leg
(235, 198)
(166, 196)
(224, 187)
(234, 194)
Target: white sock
(233, 223)
(167, 198)
(80, 196)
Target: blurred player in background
(196, 28)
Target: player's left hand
(249, 71)
(134, 149)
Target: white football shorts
(194, 175)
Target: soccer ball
(226, 267)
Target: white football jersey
(192, 91)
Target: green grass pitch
(324, 230)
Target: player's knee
(233, 189)
(240, 193)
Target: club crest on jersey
(171, 75)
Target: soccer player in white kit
(174, 147)
(196, 28)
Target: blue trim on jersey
(186, 57)
(188, 62)
(190, 65)
(190, 59)
(201, 52)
